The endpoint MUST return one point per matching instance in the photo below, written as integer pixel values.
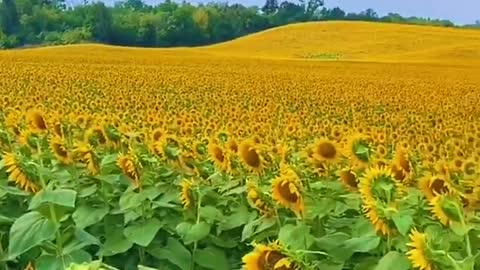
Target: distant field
(355, 145)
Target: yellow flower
(267, 257)
(218, 156)
(17, 175)
(349, 178)
(36, 120)
(432, 186)
(186, 195)
(128, 164)
(376, 216)
(255, 199)
(325, 150)
(87, 156)
(447, 208)
(250, 155)
(378, 184)
(58, 148)
(418, 251)
(286, 191)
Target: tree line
(134, 23)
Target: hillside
(358, 41)
(348, 41)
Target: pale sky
(458, 11)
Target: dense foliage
(133, 23)
(208, 158)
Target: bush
(77, 35)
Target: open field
(355, 145)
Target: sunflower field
(183, 159)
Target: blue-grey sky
(458, 11)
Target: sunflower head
(447, 208)
(186, 194)
(36, 120)
(96, 136)
(256, 200)
(379, 184)
(380, 215)
(287, 191)
(419, 251)
(129, 165)
(433, 185)
(250, 155)
(325, 150)
(268, 257)
(85, 153)
(59, 150)
(218, 156)
(18, 173)
(349, 178)
(360, 148)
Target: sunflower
(36, 120)
(232, 145)
(59, 150)
(432, 186)
(29, 266)
(267, 257)
(349, 178)
(129, 165)
(17, 174)
(377, 214)
(186, 195)
(250, 156)
(254, 196)
(447, 208)
(286, 191)
(401, 166)
(418, 253)
(379, 184)
(157, 134)
(327, 151)
(359, 149)
(96, 135)
(87, 156)
(218, 156)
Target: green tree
(99, 20)
(9, 17)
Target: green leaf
(130, 199)
(87, 191)
(51, 262)
(62, 197)
(362, 244)
(173, 252)
(296, 236)
(393, 261)
(182, 228)
(210, 214)
(212, 258)
(403, 223)
(141, 267)
(6, 220)
(143, 234)
(460, 229)
(109, 178)
(28, 231)
(80, 240)
(257, 226)
(240, 217)
(85, 215)
(115, 243)
(108, 160)
(198, 232)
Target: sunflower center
(39, 121)
(438, 186)
(60, 150)
(327, 150)
(288, 193)
(252, 158)
(349, 178)
(219, 154)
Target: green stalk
(195, 244)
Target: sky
(459, 11)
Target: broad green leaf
(393, 261)
(460, 229)
(108, 159)
(331, 241)
(62, 197)
(212, 258)
(85, 215)
(362, 244)
(403, 223)
(239, 217)
(51, 262)
(296, 236)
(210, 214)
(173, 252)
(198, 232)
(87, 191)
(130, 199)
(141, 267)
(80, 240)
(182, 228)
(257, 226)
(143, 234)
(5, 220)
(115, 243)
(28, 231)
(109, 178)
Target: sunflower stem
(195, 244)
(57, 224)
